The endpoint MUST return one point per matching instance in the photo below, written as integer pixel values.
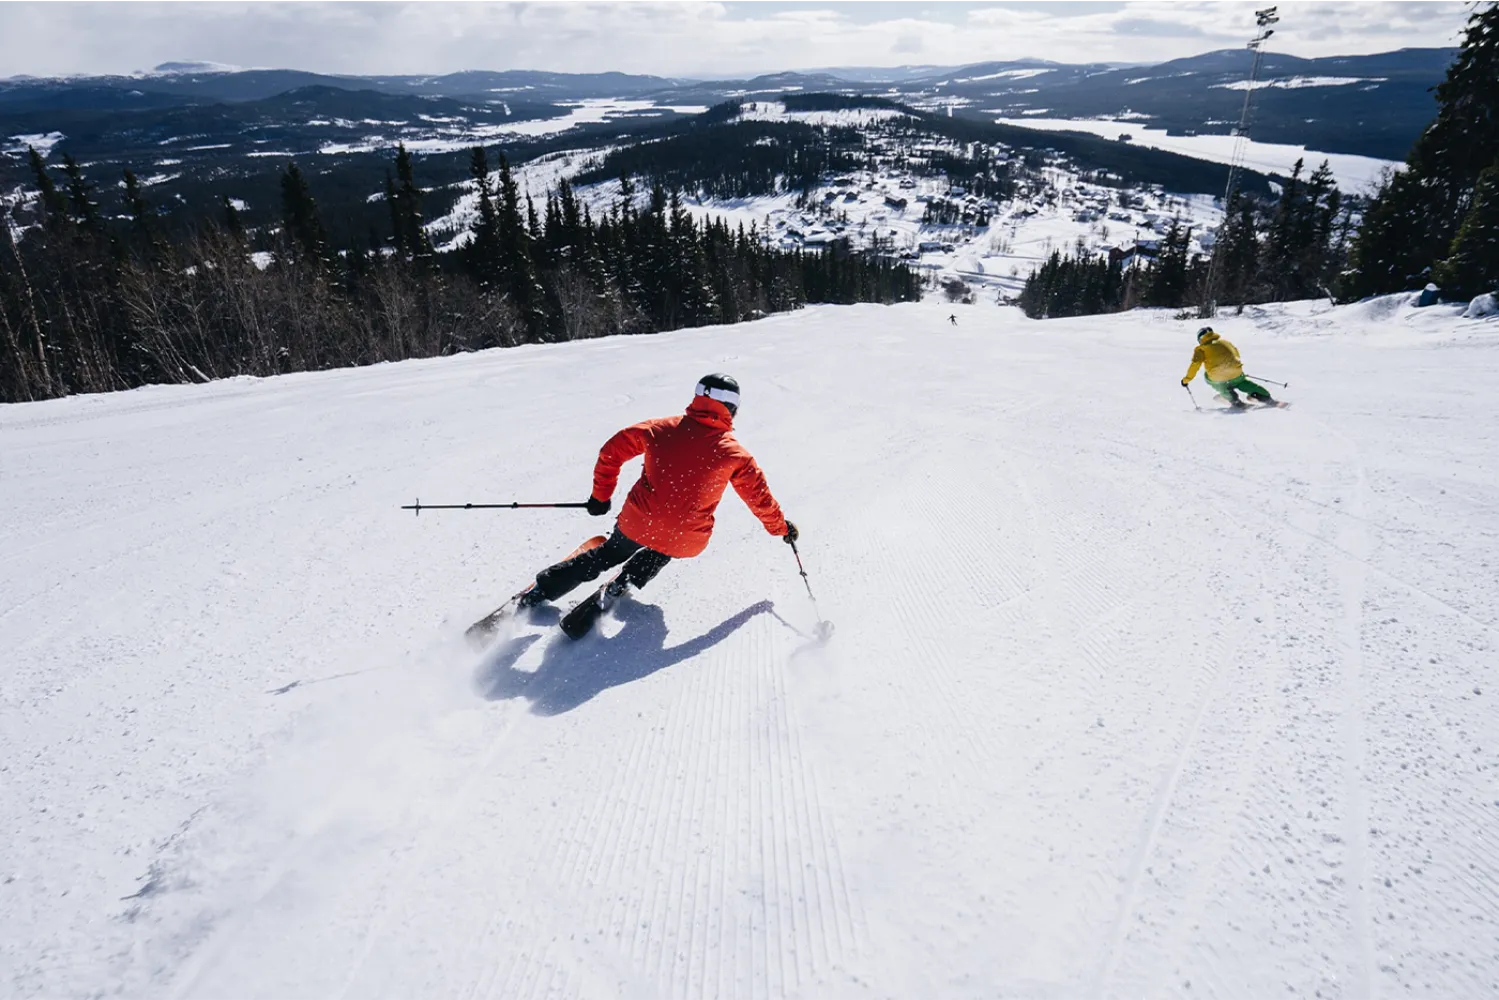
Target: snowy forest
(101, 297)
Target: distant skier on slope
(1225, 373)
(689, 461)
(953, 319)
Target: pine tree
(1472, 266)
(1417, 213)
(54, 203)
(409, 236)
(1239, 246)
(304, 226)
(1167, 277)
(519, 267)
(1072, 286)
(234, 224)
(82, 207)
(143, 223)
(483, 250)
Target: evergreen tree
(1299, 255)
(1416, 214)
(483, 250)
(143, 223)
(519, 267)
(1166, 280)
(306, 236)
(78, 314)
(234, 225)
(405, 199)
(1316, 263)
(1072, 286)
(54, 203)
(1472, 266)
(1238, 245)
(82, 207)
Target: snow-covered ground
(1354, 174)
(775, 111)
(1124, 699)
(42, 142)
(445, 135)
(998, 256)
(1303, 82)
(535, 177)
(865, 207)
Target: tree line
(721, 158)
(1293, 249)
(97, 294)
(1437, 220)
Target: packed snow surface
(1125, 699)
(1355, 174)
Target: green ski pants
(1251, 389)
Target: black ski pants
(641, 566)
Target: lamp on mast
(1263, 19)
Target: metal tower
(1263, 19)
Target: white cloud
(695, 38)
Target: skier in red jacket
(689, 460)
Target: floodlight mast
(1263, 19)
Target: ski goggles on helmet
(727, 397)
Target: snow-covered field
(1124, 699)
(1354, 174)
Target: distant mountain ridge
(1372, 105)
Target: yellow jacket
(1221, 358)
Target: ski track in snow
(1125, 700)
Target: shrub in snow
(1482, 307)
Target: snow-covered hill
(883, 210)
(1124, 699)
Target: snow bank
(1482, 307)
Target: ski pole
(419, 506)
(1283, 385)
(824, 628)
(1192, 397)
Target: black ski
(577, 622)
(580, 620)
(480, 632)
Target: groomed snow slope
(1124, 699)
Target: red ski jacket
(688, 462)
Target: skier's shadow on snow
(573, 672)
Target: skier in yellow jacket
(1225, 373)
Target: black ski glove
(598, 508)
(1185, 381)
(791, 534)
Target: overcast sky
(681, 39)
